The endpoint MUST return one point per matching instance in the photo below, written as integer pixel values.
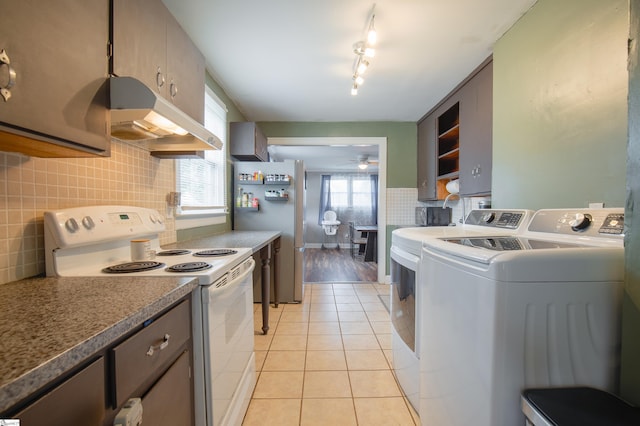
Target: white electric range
(96, 241)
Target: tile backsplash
(30, 186)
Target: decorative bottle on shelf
(239, 197)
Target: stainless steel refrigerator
(279, 188)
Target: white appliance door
(228, 347)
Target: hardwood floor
(337, 266)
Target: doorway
(341, 159)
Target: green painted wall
(402, 139)
(630, 373)
(560, 106)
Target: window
(354, 197)
(351, 191)
(201, 182)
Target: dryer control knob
(488, 217)
(580, 221)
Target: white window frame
(215, 109)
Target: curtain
(325, 197)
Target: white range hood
(141, 116)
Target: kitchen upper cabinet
(247, 142)
(455, 140)
(150, 45)
(426, 159)
(476, 134)
(53, 78)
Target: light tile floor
(327, 361)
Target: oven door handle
(226, 284)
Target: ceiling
(328, 158)
(292, 60)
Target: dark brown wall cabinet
(247, 142)
(455, 139)
(53, 78)
(150, 45)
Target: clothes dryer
(406, 244)
(505, 313)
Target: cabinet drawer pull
(161, 346)
(11, 76)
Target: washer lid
(510, 243)
(515, 259)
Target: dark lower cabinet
(168, 402)
(80, 400)
(154, 363)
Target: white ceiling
(292, 60)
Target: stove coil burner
(129, 267)
(189, 267)
(175, 252)
(215, 252)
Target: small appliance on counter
(433, 216)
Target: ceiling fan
(364, 162)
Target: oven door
(229, 362)
(404, 276)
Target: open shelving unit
(448, 146)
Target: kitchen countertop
(48, 326)
(232, 239)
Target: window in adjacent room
(201, 182)
(354, 197)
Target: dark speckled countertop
(252, 239)
(50, 325)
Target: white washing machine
(406, 244)
(505, 313)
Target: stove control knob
(488, 217)
(580, 221)
(159, 220)
(88, 223)
(71, 225)
(152, 218)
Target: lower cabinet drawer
(143, 357)
(78, 401)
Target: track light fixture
(364, 51)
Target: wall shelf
(278, 182)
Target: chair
(356, 242)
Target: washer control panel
(504, 219)
(587, 222)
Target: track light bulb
(372, 35)
(362, 66)
(354, 90)
(359, 80)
